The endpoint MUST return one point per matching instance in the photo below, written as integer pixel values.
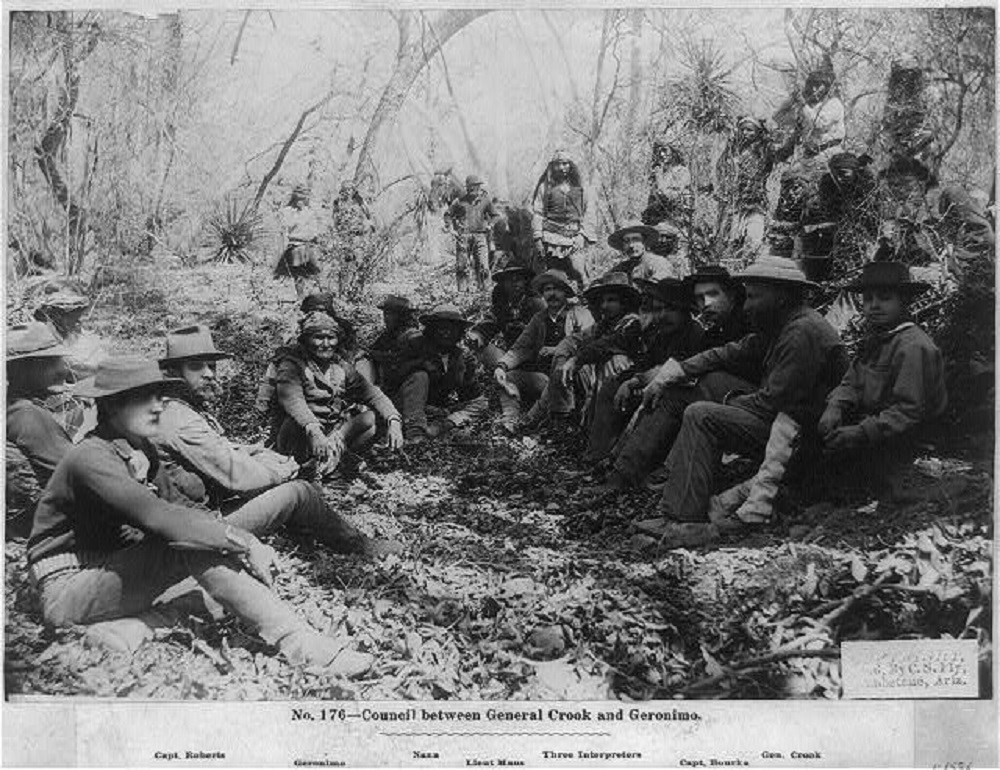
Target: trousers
(646, 446)
(472, 253)
(412, 397)
(530, 386)
(708, 430)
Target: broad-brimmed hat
(444, 314)
(191, 343)
(121, 374)
(395, 302)
(616, 282)
(617, 239)
(672, 292)
(511, 267)
(32, 340)
(711, 274)
(557, 277)
(774, 269)
(888, 275)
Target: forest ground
(517, 581)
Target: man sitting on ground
(640, 263)
(511, 309)
(399, 326)
(436, 371)
(104, 543)
(718, 299)
(801, 357)
(253, 485)
(523, 371)
(668, 331)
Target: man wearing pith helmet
(801, 358)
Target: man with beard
(801, 357)
(523, 371)
(668, 331)
(562, 219)
(436, 377)
(253, 485)
(512, 307)
(471, 217)
(718, 298)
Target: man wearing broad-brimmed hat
(801, 358)
(718, 299)
(668, 331)
(471, 218)
(632, 239)
(399, 325)
(86, 562)
(584, 360)
(523, 371)
(436, 375)
(35, 365)
(512, 306)
(209, 470)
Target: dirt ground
(518, 582)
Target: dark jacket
(800, 364)
(473, 213)
(452, 373)
(102, 491)
(895, 385)
(603, 341)
(545, 331)
(507, 318)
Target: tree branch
(239, 37)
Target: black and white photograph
(472, 358)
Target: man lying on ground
(104, 544)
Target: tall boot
(510, 407)
(759, 505)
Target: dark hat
(321, 301)
(510, 266)
(471, 180)
(444, 313)
(191, 343)
(888, 275)
(32, 340)
(615, 281)
(557, 277)
(844, 160)
(395, 302)
(775, 269)
(711, 274)
(670, 291)
(118, 375)
(617, 239)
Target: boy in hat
(210, 471)
(399, 325)
(523, 371)
(633, 241)
(586, 359)
(718, 298)
(35, 366)
(471, 217)
(668, 331)
(512, 306)
(801, 357)
(435, 373)
(87, 564)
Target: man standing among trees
(471, 218)
(743, 171)
(562, 219)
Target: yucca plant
(236, 229)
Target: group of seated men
(157, 493)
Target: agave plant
(701, 99)
(236, 229)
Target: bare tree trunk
(412, 55)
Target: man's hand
(500, 375)
(567, 372)
(546, 350)
(319, 447)
(261, 561)
(670, 372)
(652, 393)
(829, 422)
(394, 435)
(848, 437)
(624, 395)
(578, 243)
